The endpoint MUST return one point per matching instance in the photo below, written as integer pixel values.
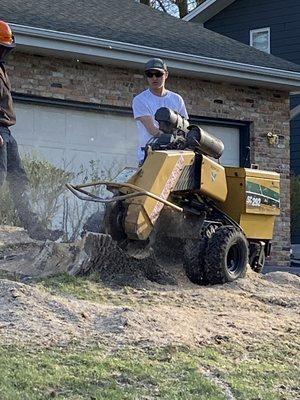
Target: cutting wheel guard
(136, 192)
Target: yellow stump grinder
(219, 219)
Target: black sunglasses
(157, 74)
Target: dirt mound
(188, 315)
(283, 278)
(255, 307)
(30, 315)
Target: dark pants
(11, 168)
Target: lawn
(266, 372)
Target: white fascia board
(207, 10)
(99, 51)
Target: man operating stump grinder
(10, 163)
(144, 107)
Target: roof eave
(99, 51)
(207, 10)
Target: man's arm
(142, 113)
(148, 123)
(182, 109)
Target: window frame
(261, 30)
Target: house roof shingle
(130, 22)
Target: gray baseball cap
(156, 63)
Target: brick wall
(266, 109)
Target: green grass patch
(97, 374)
(266, 372)
(261, 371)
(80, 288)
(85, 288)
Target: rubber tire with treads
(226, 256)
(113, 217)
(193, 260)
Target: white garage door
(71, 137)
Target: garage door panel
(25, 122)
(108, 164)
(24, 141)
(112, 163)
(113, 123)
(117, 133)
(130, 161)
(116, 144)
(50, 124)
(131, 135)
(81, 128)
(77, 158)
(110, 141)
(27, 149)
(56, 155)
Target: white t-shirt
(146, 104)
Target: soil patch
(147, 312)
(187, 315)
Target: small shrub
(49, 198)
(8, 215)
(47, 183)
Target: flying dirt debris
(181, 202)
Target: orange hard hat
(6, 36)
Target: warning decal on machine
(171, 182)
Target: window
(260, 39)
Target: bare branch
(162, 5)
(174, 7)
(182, 7)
